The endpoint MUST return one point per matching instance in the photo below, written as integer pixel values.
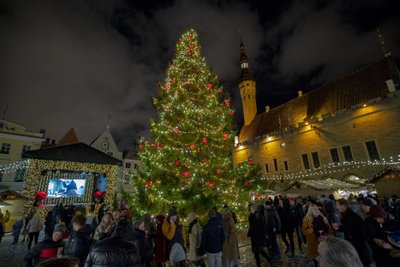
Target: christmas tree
(188, 164)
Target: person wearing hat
(366, 205)
(49, 248)
(378, 239)
(173, 230)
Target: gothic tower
(247, 87)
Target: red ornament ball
(226, 135)
(177, 162)
(204, 140)
(206, 160)
(210, 184)
(148, 184)
(227, 104)
(209, 85)
(185, 173)
(246, 183)
(232, 113)
(140, 147)
(192, 146)
(219, 171)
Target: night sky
(72, 63)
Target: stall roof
(327, 184)
(79, 152)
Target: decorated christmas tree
(188, 163)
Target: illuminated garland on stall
(40, 171)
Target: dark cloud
(327, 40)
(75, 63)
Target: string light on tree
(194, 124)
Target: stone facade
(335, 144)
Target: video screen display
(61, 188)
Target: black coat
(146, 252)
(213, 236)
(114, 251)
(381, 255)
(354, 230)
(257, 230)
(79, 246)
(272, 220)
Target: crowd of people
(343, 232)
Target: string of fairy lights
(332, 168)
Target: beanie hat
(59, 228)
(377, 212)
(177, 253)
(172, 212)
(367, 202)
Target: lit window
(245, 65)
(5, 148)
(26, 148)
(19, 175)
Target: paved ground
(11, 256)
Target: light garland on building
(332, 168)
(13, 167)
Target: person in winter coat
(354, 230)
(105, 228)
(160, 242)
(212, 239)
(35, 225)
(333, 216)
(195, 241)
(286, 214)
(50, 247)
(141, 241)
(230, 252)
(173, 230)
(315, 225)
(49, 223)
(273, 227)
(119, 250)
(257, 233)
(80, 242)
(17, 227)
(378, 238)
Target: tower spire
(382, 43)
(247, 87)
(244, 64)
